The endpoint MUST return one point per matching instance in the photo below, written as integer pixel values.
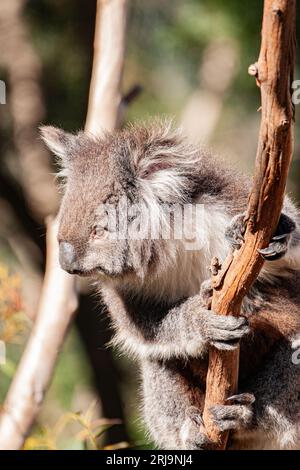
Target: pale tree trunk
(59, 299)
(204, 108)
(274, 75)
(105, 92)
(57, 305)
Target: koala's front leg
(184, 331)
(187, 329)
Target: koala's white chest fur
(187, 263)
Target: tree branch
(105, 92)
(59, 300)
(274, 74)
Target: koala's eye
(98, 231)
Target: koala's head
(106, 180)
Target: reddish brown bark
(274, 75)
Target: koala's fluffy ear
(58, 141)
(162, 177)
(165, 164)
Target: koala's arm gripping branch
(274, 75)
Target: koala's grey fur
(152, 287)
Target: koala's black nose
(67, 257)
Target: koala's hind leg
(173, 406)
(276, 387)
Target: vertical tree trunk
(274, 75)
(105, 92)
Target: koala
(157, 288)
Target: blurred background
(190, 58)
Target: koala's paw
(224, 332)
(237, 414)
(278, 245)
(192, 432)
(236, 230)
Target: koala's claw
(234, 416)
(241, 399)
(279, 243)
(192, 432)
(225, 332)
(275, 250)
(193, 413)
